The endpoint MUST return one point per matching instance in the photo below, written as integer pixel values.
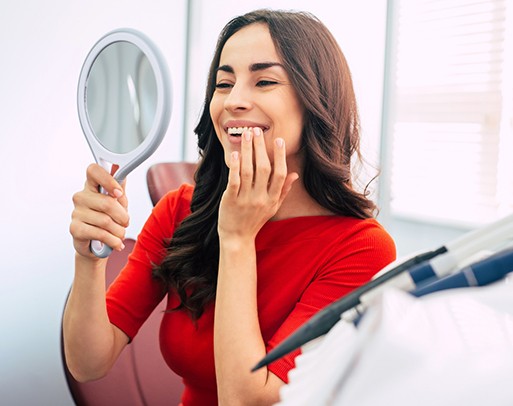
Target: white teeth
(236, 130)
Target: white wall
(43, 156)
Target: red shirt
(303, 264)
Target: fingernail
(247, 135)
(122, 247)
(257, 131)
(279, 142)
(117, 193)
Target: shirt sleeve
(351, 264)
(134, 294)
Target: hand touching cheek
(256, 189)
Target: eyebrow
(255, 67)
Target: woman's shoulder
(369, 235)
(368, 225)
(328, 230)
(364, 243)
(369, 231)
(180, 196)
(340, 227)
(175, 205)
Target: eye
(223, 85)
(263, 83)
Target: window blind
(450, 114)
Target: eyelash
(261, 83)
(223, 85)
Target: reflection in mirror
(121, 97)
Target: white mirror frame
(129, 160)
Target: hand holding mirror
(124, 104)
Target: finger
(98, 176)
(287, 186)
(246, 162)
(262, 163)
(99, 220)
(279, 169)
(84, 233)
(104, 204)
(123, 200)
(234, 175)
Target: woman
(272, 232)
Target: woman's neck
(299, 203)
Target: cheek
(292, 126)
(217, 129)
(215, 111)
(294, 137)
(299, 121)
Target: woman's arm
(91, 342)
(252, 197)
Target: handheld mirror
(124, 104)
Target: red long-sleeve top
(303, 264)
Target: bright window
(449, 110)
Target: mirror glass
(121, 97)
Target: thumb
(287, 185)
(123, 199)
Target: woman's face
(254, 90)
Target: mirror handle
(100, 249)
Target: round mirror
(124, 100)
(124, 103)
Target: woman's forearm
(238, 343)
(254, 193)
(91, 343)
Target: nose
(239, 98)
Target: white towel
(449, 348)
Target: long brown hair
(330, 139)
